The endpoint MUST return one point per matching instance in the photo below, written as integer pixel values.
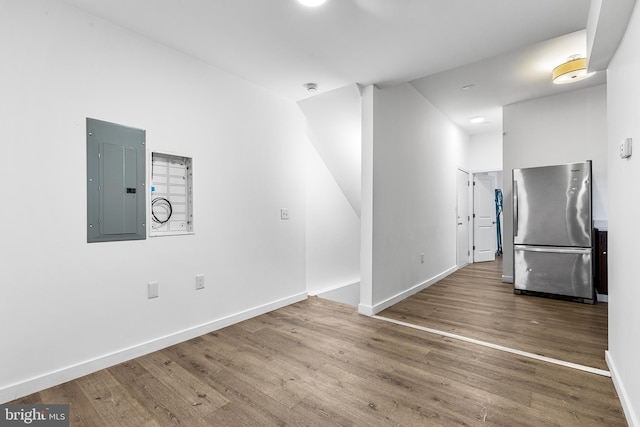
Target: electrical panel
(115, 182)
(171, 195)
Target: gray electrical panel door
(115, 182)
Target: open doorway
(487, 215)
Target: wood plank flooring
(473, 302)
(319, 363)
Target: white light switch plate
(200, 281)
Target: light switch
(200, 281)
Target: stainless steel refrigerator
(552, 231)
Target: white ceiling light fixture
(574, 70)
(312, 3)
(478, 120)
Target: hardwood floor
(319, 363)
(473, 302)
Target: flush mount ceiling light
(575, 69)
(310, 87)
(311, 3)
(478, 120)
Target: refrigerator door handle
(515, 208)
(552, 250)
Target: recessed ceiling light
(478, 120)
(311, 3)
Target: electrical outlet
(200, 281)
(625, 148)
(152, 289)
(284, 213)
(422, 258)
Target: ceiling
(515, 76)
(281, 45)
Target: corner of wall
(625, 401)
(365, 310)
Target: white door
(484, 224)
(463, 218)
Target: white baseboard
(367, 310)
(507, 279)
(376, 308)
(33, 385)
(317, 292)
(626, 403)
(461, 266)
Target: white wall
(485, 151)
(623, 104)
(565, 128)
(416, 153)
(334, 127)
(369, 94)
(69, 307)
(332, 231)
(333, 191)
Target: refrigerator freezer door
(552, 205)
(559, 271)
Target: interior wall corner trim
(625, 401)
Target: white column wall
(623, 105)
(416, 154)
(369, 94)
